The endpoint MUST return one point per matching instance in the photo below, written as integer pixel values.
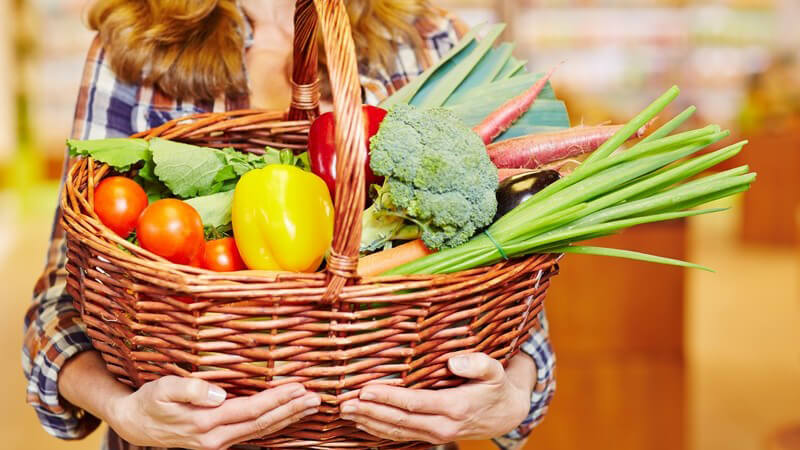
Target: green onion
(672, 125)
(602, 251)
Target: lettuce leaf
(214, 209)
(119, 153)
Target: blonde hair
(373, 21)
(194, 48)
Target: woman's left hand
(492, 404)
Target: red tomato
(172, 229)
(221, 255)
(322, 148)
(118, 202)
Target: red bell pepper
(322, 150)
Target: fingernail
(347, 417)
(459, 363)
(348, 408)
(216, 394)
(309, 412)
(312, 401)
(366, 395)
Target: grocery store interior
(649, 357)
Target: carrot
(502, 118)
(535, 150)
(380, 262)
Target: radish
(536, 150)
(502, 118)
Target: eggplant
(518, 188)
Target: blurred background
(649, 357)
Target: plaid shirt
(107, 107)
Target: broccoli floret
(438, 174)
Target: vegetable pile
(183, 202)
(608, 192)
(473, 163)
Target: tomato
(221, 255)
(172, 229)
(322, 148)
(118, 202)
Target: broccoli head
(438, 174)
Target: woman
(157, 60)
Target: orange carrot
(502, 118)
(380, 262)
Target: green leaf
(502, 90)
(302, 161)
(187, 170)
(119, 153)
(627, 254)
(228, 173)
(154, 189)
(484, 73)
(147, 171)
(271, 156)
(215, 209)
(510, 68)
(435, 92)
(407, 92)
(543, 112)
(223, 231)
(238, 163)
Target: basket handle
(305, 83)
(349, 130)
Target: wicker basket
(332, 331)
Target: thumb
(190, 390)
(477, 366)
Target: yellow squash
(282, 219)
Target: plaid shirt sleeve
(439, 34)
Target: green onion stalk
(611, 190)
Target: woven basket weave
(332, 331)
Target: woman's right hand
(192, 413)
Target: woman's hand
(180, 412)
(493, 403)
(192, 413)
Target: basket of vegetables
(258, 248)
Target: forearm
(85, 382)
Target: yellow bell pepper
(282, 219)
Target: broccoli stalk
(440, 183)
(380, 224)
